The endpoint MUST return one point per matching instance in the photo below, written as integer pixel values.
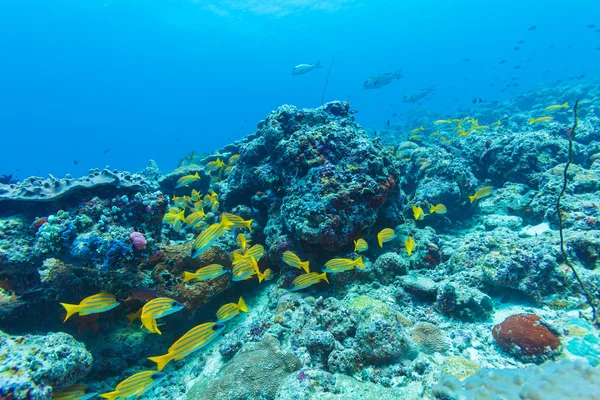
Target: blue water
(118, 82)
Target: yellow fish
(418, 213)
(95, 304)
(556, 107)
(206, 238)
(233, 158)
(228, 169)
(268, 274)
(483, 192)
(435, 133)
(135, 385)
(293, 260)
(256, 251)
(415, 138)
(497, 123)
(439, 209)
(194, 218)
(241, 240)
(540, 120)
(176, 219)
(462, 132)
(385, 235)
(237, 221)
(360, 245)
(481, 128)
(410, 245)
(417, 130)
(211, 271)
(245, 269)
(196, 338)
(158, 308)
(230, 310)
(342, 264)
(306, 280)
(186, 180)
(75, 392)
(195, 195)
(442, 121)
(133, 316)
(444, 140)
(215, 165)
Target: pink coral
(138, 240)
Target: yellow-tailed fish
(256, 251)
(196, 338)
(462, 133)
(306, 280)
(557, 107)
(417, 130)
(228, 169)
(233, 159)
(497, 123)
(418, 213)
(237, 221)
(360, 245)
(439, 209)
(135, 385)
(245, 269)
(385, 235)
(195, 195)
(133, 316)
(75, 392)
(410, 245)
(268, 274)
(483, 192)
(481, 128)
(215, 165)
(442, 121)
(230, 310)
(186, 180)
(293, 260)
(206, 238)
(342, 264)
(415, 138)
(540, 120)
(175, 219)
(434, 133)
(211, 271)
(241, 240)
(158, 308)
(95, 304)
(444, 140)
(194, 218)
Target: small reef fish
(439, 209)
(385, 235)
(302, 69)
(195, 195)
(228, 169)
(306, 280)
(194, 218)
(415, 138)
(237, 221)
(196, 338)
(230, 310)
(204, 240)
(245, 269)
(342, 264)
(442, 121)
(434, 133)
(75, 392)
(256, 251)
(483, 192)
(241, 240)
(381, 80)
(418, 95)
(135, 385)
(211, 271)
(95, 304)
(233, 159)
(186, 180)
(444, 140)
(417, 130)
(540, 120)
(360, 245)
(175, 218)
(293, 260)
(141, 294)
(410, 245)
(418, 213)
(497, 123)
(268, 274)
(215, 165)
(556, 107)
(158, 308)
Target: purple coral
(138, 240)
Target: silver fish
(304, 68)
(418, 95)
(379, 81)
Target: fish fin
(566, 105)
(359, 262)
(317, 64)
(398, 74)
(379, 241)
(260, 276)
(71, 309)
(304, 266)
(147, 323)
(531, 121)
(431, 209)
(324, 277)
(237, 257)
(242, 305)
(155, 326)
(355, 245)
(472, 198)
(161, 361)
(249, 224)
(188, 276)
(109, 395)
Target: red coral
(38, 223)
(525, 337)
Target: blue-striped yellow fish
(438, 209)
(245, 269)
(483, 192)
(306, 280)
(360, 245)
(268, 274)
(418, 213)
(196, 338)
(385, 235)
(256, 251)
(91, 305)
(194, 217)
(556, 107)
(241, 240)
(410, 245)
(215, 165)
(233, 159)
(75, 392)
(230, 310)
(135, 385)
(186, 180)
(342, 264)
(175, 218)
(211, 271)
(158, 308)
(237, 221)
(293, 260)
(204, 240)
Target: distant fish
(214, 165)
(135, 385)
(483, 192)
(533, 27)
(556, 107)
(418, 95)
(591, 26)
(234, 158)
(302, 69)
(75, 392)
(306, 280)
(95, 304)
(419, 129)
(187, 179)
(342, 264)
(293, 260)
(230, 310)
(477, 100)
(387, 122)
(141, 294)
(379, 81)
(410, 245)
(517, 48)
(385, 235)
(521, 42)
(540, 120)
(360, 245)
(75, 162)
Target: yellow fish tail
(261, 276)
(566, 105)
(304, 266)
(248, 224)
(71, 309)
(161, 361)
(188, 276)
(324, 277)
(242, 304)
(531, 121)
(109, 395)
(472, 198)
(431, 209)
(359, 262)
(379, 241)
